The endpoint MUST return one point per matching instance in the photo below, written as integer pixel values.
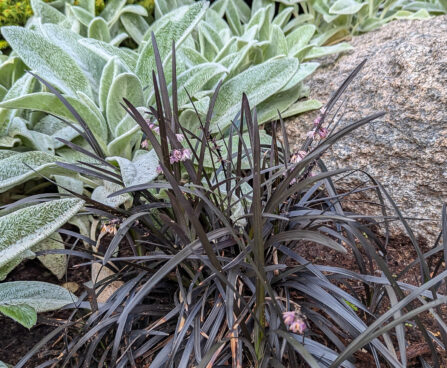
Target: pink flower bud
(180, 137)
(145, 144)
(294, 322)
(323, 132)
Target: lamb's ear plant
(210, 260)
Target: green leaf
(56, 263)
(304, 70)
(7, 268)
(317, 52)
(41, 296)
(302, 106)
(102, 193)
(233, 18)
(300, 38)
(113, 7)
(30, 138)
(258, 82)
(46, 12)
(135, 26)
(24, 228)
(82, 15)
(127, 86)
(278, 43)
(123, 144)
(107, 52)
(55, 128)
(21, 313)
(109, 73)
(141, 170)
(49, 103)
(343, 7)
(177, 27)
(98, 29)
(47, 59)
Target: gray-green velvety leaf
(42, 296)
(4, 365)
(24, 228)
(283, 17)
(302, 106)
(300, 38)
(11, 70)
(7, 153)
(89, 62)
(304, 70)
(55, 128)
(342, 7)
(107, 52)
(127, 86)
(212, 17)
(20, 168)
(278, 43)
(135, 26)
(98, 29)
(71, 183)
(142, 169)
(317, 52)
(123, 144)
(258, 82)
(88, 5)
(56, 263)
(102, 193)
(191, 56)
(233, 19)
(112, 8)
(47, 59)
(46, 12)
(210, 41)
(8, 142)
(120, 37)
(3, 92)
(195, 78)
(21, 313)
(48, 102)
(7, 268)
(178, 28)
(82, 15)
(30, 138)
(109, 73)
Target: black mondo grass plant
(206, 259)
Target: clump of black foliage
(203, 287)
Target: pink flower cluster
(153, 127)
(294, 322)
(322, 132)
(297, 157)
(178, 155)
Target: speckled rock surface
(405, 76)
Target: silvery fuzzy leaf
(233, 19)
(24, 228)
(320, 51)
(48, 102)
(3, 92)
(8, 142)
(55, 263)
(297, 22)
(125, 85)
(135, 26)
(300, 38)
(343, 7)
(46, 12)
(278, 43)
(302, 106)
(82, 15)
(283, 17)
(41, 296)
(98, 29)
(190, 56)
(116, 41)
(21, 87)
(102, 193)
(88, 5)
(141, 170)
(111, 70)
(209, 40)
(261, 20)
(304, 70)
(7, 153)
(177, 28)
(230, 47)
(55, 128)
(123, 144)
(30, 138)
(11, 70)
(21, 313)
(163, 7)
(107, 52)
(74, 184)
(128, 9)
(112, 8)
(7, 268)
(194, 79)
(48, 60)
(128, 123)
(243, 9)
(21, 167)
(258, 82)
(212, 17)
(90, 63)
